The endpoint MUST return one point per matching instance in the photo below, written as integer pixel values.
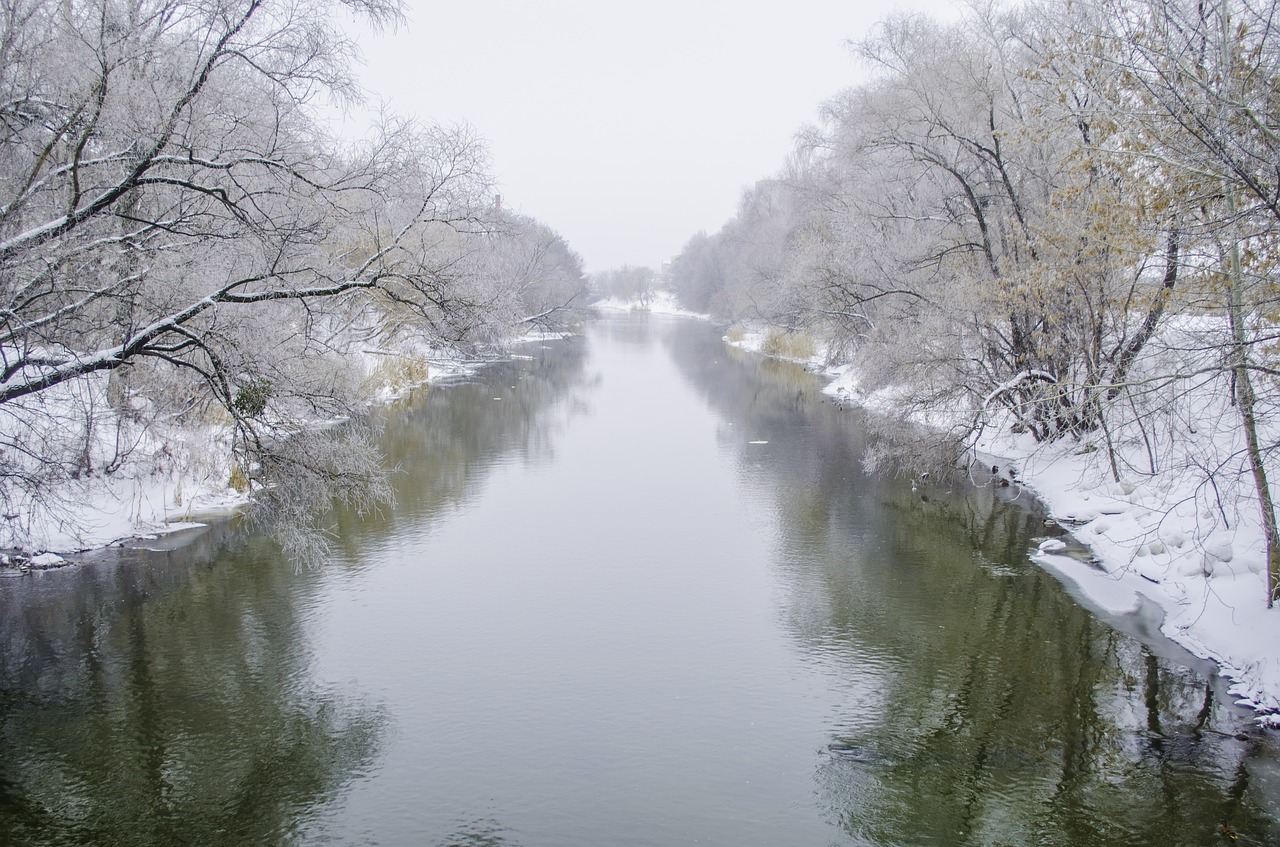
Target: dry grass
(788, 345)
(399, 373)
(239, 479)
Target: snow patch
(658, 303)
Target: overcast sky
(627, 127)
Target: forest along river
(637, 590)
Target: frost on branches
(184, 249)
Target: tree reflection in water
(151, 698)
(981, 703)
(966, 697)
(1017, 717)
(167, 702)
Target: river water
(636, 590)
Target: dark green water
(599, 615)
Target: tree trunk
(1245, 397)
(1245, 400)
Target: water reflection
(166, 703)
(168, 697)
(692, 617)
(446, 444)
(1017, 717)
(977, 703)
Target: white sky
(626, 128)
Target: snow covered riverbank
(659, 303)
(1197, 553)
(177, 478)
(1184, 541)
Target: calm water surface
(601, 615)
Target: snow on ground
(1197, 551)
(846, 387)
(747, 338)
(176, 477)
(114, 509)
(1192, 547)
(140, 475)
(658, 303)
(541, 335)
(393, 370)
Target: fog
(627, 128)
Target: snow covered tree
(181, 239)
(1195, 85)
(543, 274)
(1060, 217)
(697, 274)
(629, 283)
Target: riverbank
(180, 478)
(658, 303)
(1193, 548)
(796, 657)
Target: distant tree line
(627, 284)
(1059, 215)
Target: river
(636, 590)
